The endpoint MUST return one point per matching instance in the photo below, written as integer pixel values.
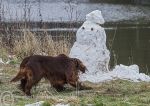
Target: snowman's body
(90, 46)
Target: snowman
(90, 47)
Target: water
(131, 45)
(74, 11)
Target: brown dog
(58, 70)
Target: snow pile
(1, 61)
(62, 105)
(130, 73)
(40, 103)
(36, 104)
(90, 48)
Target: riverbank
(15, 25)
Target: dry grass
(31, 44)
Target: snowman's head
(88, 33)
(91, 30)
(95, 17)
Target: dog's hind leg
(29, 83)
(28, 87)
(23, 84)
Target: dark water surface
(61, 10)
(131, 45)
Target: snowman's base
(123, 72)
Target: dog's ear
(79, 65)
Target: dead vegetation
(30, 44)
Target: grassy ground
(113, 93)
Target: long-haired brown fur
(58, 70)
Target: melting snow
(1, 61)
(36, 104)
(130, 73)
(40, 103)
(62, 105)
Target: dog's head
(79, 65)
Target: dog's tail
(20, 75)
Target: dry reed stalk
(30, 44)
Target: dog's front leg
(76, 84)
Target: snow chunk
(40, 103)
(36, 104)
(129, 73)
(1, 61)
(62, 105)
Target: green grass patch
(113, 93)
